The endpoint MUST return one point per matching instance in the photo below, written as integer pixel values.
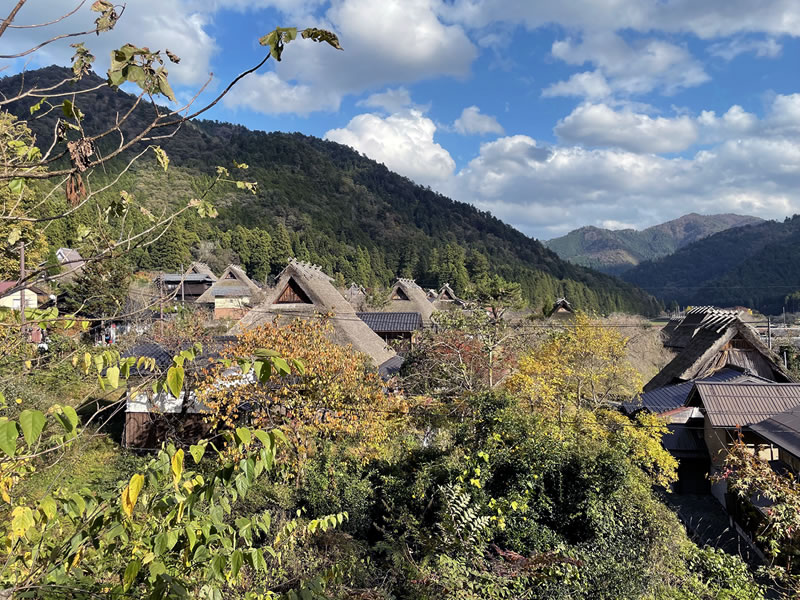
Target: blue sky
(551, 115)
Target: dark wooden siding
(150, 430)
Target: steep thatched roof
(561, 308)
(714, 347)
(304, 291)
(679, 333)
(201, 268)
(406, 296)
(233, 283)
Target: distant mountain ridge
(754, 265)
(616, 251)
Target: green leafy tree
(100, 291)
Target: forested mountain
(318, 201)
(755, 265)
(616, 251)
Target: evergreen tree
(171, 251)
(258, 267)
(100, 291)
(281, 249)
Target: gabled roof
(324, 299)
(742, 404)
(670, 397)
(201, 268)
(561, 306)
(391, 322)
(733, 343)
(416, 300)
(150, 350)
(72, 258)
(782, 430)
(233, 283)
(176, 278)
(5, 286)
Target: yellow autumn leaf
(131, 493)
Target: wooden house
(186, 287)
(304, 291)
(562, 309)
(232, 295)
(446, 299)
(395, 328)
(407, 297)
(782, 431)
(71, 263)
(12, 297)
(151, 419)
(731, 410)
(710, 340)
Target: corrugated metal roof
(389, 322)
(673, 396)
(782, 429)
(684, 442)
(188, 277)
(391, 367)
(741, 404)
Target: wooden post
(161, 302)
(183, 285)
(769, 332)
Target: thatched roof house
(304, 291)
(201, 268)
(713, 342)
(232, 295)
(407, 297)
(561, 309)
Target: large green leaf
(8, 437)
(131, 571)
(175, 380)
(32, 423)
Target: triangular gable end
(230, 275)
(446, 295)
(399, 294)
(293, 294)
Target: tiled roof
(391, 367)
(188, 277)
(742, 404)
(387, 322)
(150, 350)
(782, 429)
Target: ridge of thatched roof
(712, 348)
(406, 296)
(318, 297)
(233, 283)
(201, 268)
(679, 332)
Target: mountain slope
(331, 205)
(754, 265)
(616, 251)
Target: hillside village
(339, 364)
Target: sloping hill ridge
(755, 265)
(616, 251)
(339, 206)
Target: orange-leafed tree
(327, 391)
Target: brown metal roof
(741, 404)
(782, 429)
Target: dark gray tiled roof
(782, 429)
(387, 322)
(150, 350)
(188, 277)
(391, 367)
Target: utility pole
(22, 291)
(769, 332)
(183, 285)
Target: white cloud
(161, 24)
(392, 100)
(730, 49)
(403, 142)
(589, 84)
(706, 18)
(600, 125)
(472, 121)
(268, 93)
(638, 67)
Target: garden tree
(582, 364)
(330, 392)
(495, 295)
(779, 530)
(100, 291)
(79, 144)
(460, 355)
